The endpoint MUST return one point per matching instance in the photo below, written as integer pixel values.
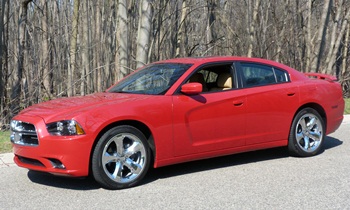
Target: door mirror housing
(193, 88)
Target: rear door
(271, 101)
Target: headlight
(65, 128)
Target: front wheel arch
(121, 157)
(134, 123)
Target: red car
(175, 111)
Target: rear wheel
(121, 158)
(306, 134)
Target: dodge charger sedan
(175, 111)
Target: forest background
(58, 48)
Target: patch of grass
(5, 144)
(347, 106)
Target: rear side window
(281, 76)
(257, 75)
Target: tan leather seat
(198, 77)
(224, 82)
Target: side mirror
(193, 88)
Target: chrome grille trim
(26, 135)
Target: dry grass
(5, 144)
(347, 106)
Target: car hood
(66, 108)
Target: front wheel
(306, 134)
(121, 158)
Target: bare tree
(2, 27)
(309, 40)
(320, 41)
(345, 51)
(16, 89)
(252, 26)
(121, 61)
(46, 55)
(337, 33)
(181, 36)
(73, 49)
(143, 33)
(85, 67)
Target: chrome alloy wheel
(309, 132)
(123, 158)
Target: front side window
(257, 75)
(215, 77)
(154, 79)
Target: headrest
(197, 77)
(224, 80)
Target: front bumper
(60, 155)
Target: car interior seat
(223, 82)
(198, 77)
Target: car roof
(212, 59)
(198, 60)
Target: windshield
(154, 79)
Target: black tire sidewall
(96, 163)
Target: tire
(121, 158)
(306, 134)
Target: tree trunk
(252, 38)
(337, 36)
(17, 87)
(345, 51)
(98, 48)
(121, 61)
(211, 34)
(73, 49)
(181, 36)
(46, 53)
(320, 42)
(85, 49)
(2, 35)
(143, 33)
(280, 32)
(309, 45)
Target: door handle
(291, 94)
(238, 103)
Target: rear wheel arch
(317, 108)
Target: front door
(208, 122)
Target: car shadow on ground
(330, 143)
(176, 170)
(84, 183)
(228, 161)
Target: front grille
(26, 135)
